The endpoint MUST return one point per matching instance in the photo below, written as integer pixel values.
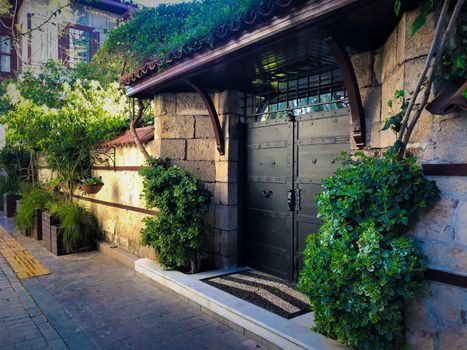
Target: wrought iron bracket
(216, 125)
(104, 157)
(353, 92)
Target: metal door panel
(286, 163)
(326, 124)
(270, 131)
(318, 161)
(267, 196)
(269, 228)
(269, 223)
(268, 162)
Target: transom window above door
(298, 94)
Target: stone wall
(184, 132)
(437, 319)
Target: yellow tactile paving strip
(23, 263)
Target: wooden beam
(445, 169)
(216, 125)
(353, 92)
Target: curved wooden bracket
(216, 125)
(351, 86)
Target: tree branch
(133, 123)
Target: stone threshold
(261, 325)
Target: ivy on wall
(360, 267)
(178, 231)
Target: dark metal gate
(289, 152)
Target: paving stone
(90, 301)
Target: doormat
(263, 290)
(21, 261)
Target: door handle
(291, 200)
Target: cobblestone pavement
(22, 324)
(90, 301)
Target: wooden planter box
(37, 225)
(47, 222)
(56, 238)
(9, 204)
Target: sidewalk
(90, 301)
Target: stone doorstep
(239, 314)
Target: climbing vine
(361, 266)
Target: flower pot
(9, 204)
(91, 189)
(56, 240)
(47, 222)
(37, 224)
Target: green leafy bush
(31, 198)
(80, 226)
(178, 231)
(92, 181)
(359, 267)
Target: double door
(287, 160)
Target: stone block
(451, 139)
(453, 338)
(230, 102)
(190, 104)
(378, 66)
(228, 261)
(226, 217)
(173, 149)
(412, 72)
(228, 243)
(363, 67)
(420, 340)
(460, 222)
(392, 82)
(213, 242)
(203, 127)
(437, 223)
(226, 193)
(201, 149)
(226, 171)
(418, 44)
(230, 151)
(441, 255)
(165, 104)
(230, 125)
(205, 170)
(389, 56)
(371, 101)
(448, 302)
(175, 127)
(373, 137)
(451, 185)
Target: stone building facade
(184, 134)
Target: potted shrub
(92, 185)
(75, 229)
(9, 203)
(48, 220)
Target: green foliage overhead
(154, 32)
(178, 231)
(54, 113)
(360, 267)
(14, 161)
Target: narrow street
(90, 301)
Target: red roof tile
(145, 134)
